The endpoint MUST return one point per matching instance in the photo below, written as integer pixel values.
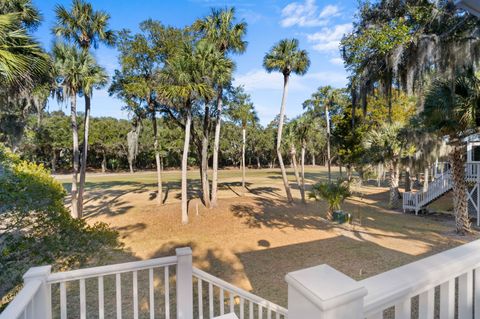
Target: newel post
(184, 283)
(42, 301)
(322, 292)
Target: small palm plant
(333, 193)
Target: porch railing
(444, 285)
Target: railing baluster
(477, 293)
(135, 294)
(222, 301)
(242, 308)
(250, 309)
(277, 315)
(200, 299)
(447, 299)
(403, 309)
(167, 293)
(260, 312)
(210, 299)
(118, 289)
(63, 300)
(465, 294)
(83, 303)
(151, 293)
(101, 311)
(426, 304)
(232, 302)
(269, 313)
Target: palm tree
(243, 112)
(86, 28)
(221, 28)
(320, 102)
(452, 108)
(21, 58)
(285, 57)
(71, 67)
(291, 139)
(385, 145)
(333, 193)
(183, 84)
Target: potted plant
(334, 193)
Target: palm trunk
(216, 148)
(394, 199)
(54, 161)
(302, 163)
(313, 160)
(426, 178)
(460, 201)
(279, 140)
(157, 157)
(186, 145)
(104, 162)
(76, 156)
(259, 165)
(204, 161)
(408, 181)
(293, 153)
(83, 165)
(328, 144)
(244, 141)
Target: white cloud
(306, 14)
(336, 61)
(328, 39)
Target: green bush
(36, 228)
(333, 193)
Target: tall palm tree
(221, 28)
(304, 127)
(72, 67)
(243, 112)
(86, 28)
(287, 58)
(182, 84)
(292, 139)
(453, 108)
(322, 101)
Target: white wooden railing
(416, 200)
(445, 285)
(231, 299)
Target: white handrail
(22, 300)
(111, 269)
(240, 292)
(416, 200)
(402, 283)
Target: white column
(42, 301)
(184, 283)
(322, 292)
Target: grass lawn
(254, 238)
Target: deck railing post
(322, 292)
(184, 283)
(42, 299)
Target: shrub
(333, 193)
(36, 228)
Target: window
(476, 153)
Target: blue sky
(318, 24)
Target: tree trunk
(216, 148)
(293, 154)
(279, 140)
(259, 165)
(204, 158)
(157, 155)
(313, 160)
(244, 141)
(460, 200)
(83, 164)
(302, 163)
(408, 182)
(54, 161)
(186, 146)
(394, 199)
(426, 178)
(104, 162)
(76, 156)
(329, 160)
